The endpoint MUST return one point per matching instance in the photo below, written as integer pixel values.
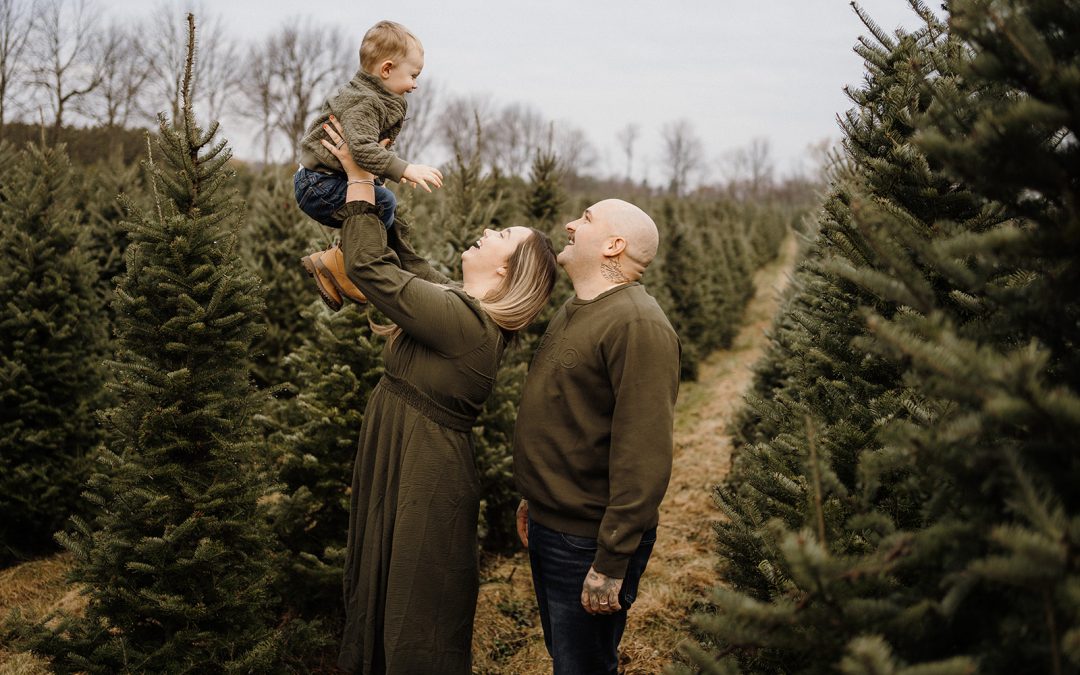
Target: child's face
(399, 77)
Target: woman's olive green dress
(411, 574)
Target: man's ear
(615, 246)
(385, 67)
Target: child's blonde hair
(386, 40)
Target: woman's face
(492, 251)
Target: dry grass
(682, 569)
(507, 636)
(36, 588)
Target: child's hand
(421, 174)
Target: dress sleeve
(410, 259)
(430, 313)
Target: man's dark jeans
(579, 643)
(320, 194)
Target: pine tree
(176, 563)
(54, 339)
(276, 237)
(105, 187)
(685, 282)
(311, 440)
(906, 505)
(543, 197)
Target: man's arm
(643, 365)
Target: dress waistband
(425, 406)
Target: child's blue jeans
(320, 194)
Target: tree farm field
(507, 637)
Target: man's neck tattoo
(612, 271)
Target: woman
(411, 573)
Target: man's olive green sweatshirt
(594, 433)
(368, 113)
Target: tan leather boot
(331, 263)
(327, 290)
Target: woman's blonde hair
(523, 292)
(386, 40)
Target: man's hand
(600, 593)
(421, 174)
(523, 523)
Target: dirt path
(508, 638)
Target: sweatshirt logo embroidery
(555, 354)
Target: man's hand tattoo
(600, 593)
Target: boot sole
(337, 287)
(328, 300)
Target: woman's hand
(337, 145)
(522, 518)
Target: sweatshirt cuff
(396, 169)
(610, 564)
(355, 208)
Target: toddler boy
(370, 108)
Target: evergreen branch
(881, 36)
(816, 473)
(153, 179)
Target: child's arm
(421, 174)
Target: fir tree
(276, 236)
(543, 197)
(54, 340)
(106, 185)
(176, 564)
(684, 280)
(311, 440)
(906, 505)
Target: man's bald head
(633, 225)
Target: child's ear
(385, 68)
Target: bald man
(593, 439)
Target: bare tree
(464, 127)
(216, 77)
(257, 95)
(67, 58)
(749, 171)
(218, 68)
(627, 137)
(309, 62)
(287, 77)
(576, 154)
(125, 72)
(165, 48)
(421, 123)
(760, 166)
(682, 154)
(517, 133)
(16, 20)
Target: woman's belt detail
(425, 406)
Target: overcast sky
(736, 69)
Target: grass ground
(507, 638)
